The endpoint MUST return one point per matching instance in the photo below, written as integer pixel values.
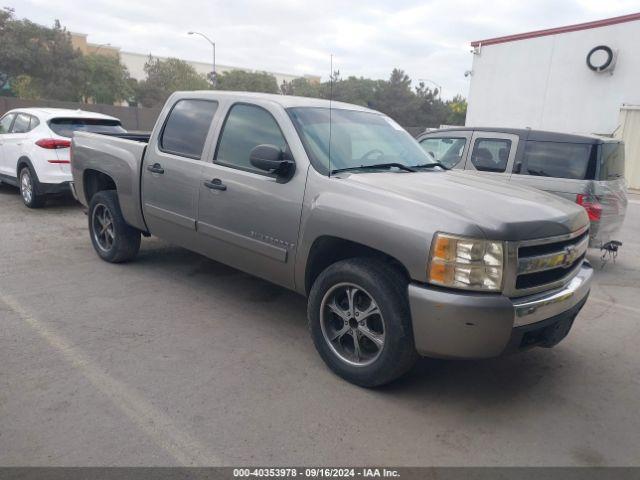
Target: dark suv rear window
(561, 160)
(612, 161)
(66, 126)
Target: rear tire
(30, 188)
(113, 239)
(340, 308)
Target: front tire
(113, 239)
(360, 321)
(29, 188)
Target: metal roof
(286, 101)
(529, 134)
(554, 31)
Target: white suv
(34, 148)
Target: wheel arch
(25, 161)
(95, 181)
(327, 250)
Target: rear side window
(446, 150)
(491, 154)
(66, 126)
(187, 126)
(612, 161)
(560, 160)
(5, 123)
(246, 127)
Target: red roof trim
(554, 31)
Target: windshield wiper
(374, 167)
(431, 165)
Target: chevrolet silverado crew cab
(397, 256)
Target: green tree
(457, 107)
(302, 88)
(43, 54)
(243, 81)
(106, 80)
(396, 99)
(165, 77)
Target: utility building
(582, 78)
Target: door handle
(156, 168)
(215, 184)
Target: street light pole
(434, 83)
(214, 78)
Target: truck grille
(541, 263)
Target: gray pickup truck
(397, 257)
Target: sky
(427, 39)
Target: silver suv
(585, 169)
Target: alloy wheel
(103, 228)
(352, 324)
(26, 186)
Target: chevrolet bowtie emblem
(570, 256)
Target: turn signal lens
(467, 263)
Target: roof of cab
(285, 101)
(62, 112)
(535, 135)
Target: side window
(491, 154)
(5, 123)
(561, 160)
(34, 123)
(246, 127)
(446, 150)
(187, 126)
(21, 125)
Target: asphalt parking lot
(178, 360)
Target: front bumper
(450, 324)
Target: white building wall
(544, 82)
(135, 64)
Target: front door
(449, 148)
(492, 154)
(246, 218)
(172, 170)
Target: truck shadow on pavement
(486, 381)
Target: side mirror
(273, 160)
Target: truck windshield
(66, 126)
(357, 139)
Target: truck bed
(118, 156)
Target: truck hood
(502, 211)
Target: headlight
(468, 263)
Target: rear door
(492, 154)
(448, 148)
(172, 169)
(15, 142)
(247, 218)
(5, 129)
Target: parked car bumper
(450, 324)
(54, 188)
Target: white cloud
(428, 38)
